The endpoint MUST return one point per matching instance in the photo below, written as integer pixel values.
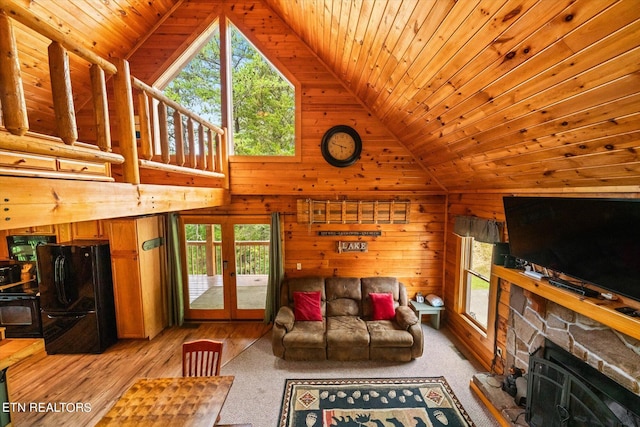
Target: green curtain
(276, 270)
(483, 230)
(174, 271)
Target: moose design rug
(383, 402)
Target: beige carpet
(249, 297)
(260, 377)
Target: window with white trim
(475, 281)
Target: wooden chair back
(201, 358)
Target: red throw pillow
(382, 305)
(307, 305)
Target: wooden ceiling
(492, 93)
(485, 94)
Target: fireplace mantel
(600, 310)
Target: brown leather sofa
(347, 330)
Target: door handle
(232, 274)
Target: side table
(424, 308)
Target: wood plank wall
(411, 252)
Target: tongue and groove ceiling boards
(492, 94)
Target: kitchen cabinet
(88, 230)
(138, 263)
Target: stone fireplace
(534, 320)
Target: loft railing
(202, 155)
(252, 257)
(195, 149)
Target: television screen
(593, 240)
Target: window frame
(486, 335)
(465, 284)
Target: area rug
(392, 402)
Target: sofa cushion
(285, 318)
(306, 335)
(343, 296)
(386, 333)
(382, 306)
(302, 284)
(347, 331)
(307, 306)
(405, 317)
(378, 285)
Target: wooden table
(180, 401)
(424, 308)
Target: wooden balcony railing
(201, 155)
(252, 257)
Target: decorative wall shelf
(353, 211)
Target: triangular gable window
(262, 100)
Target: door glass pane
(252, 265)
(204, 266)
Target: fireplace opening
(565, 391)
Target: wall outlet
(299, 266)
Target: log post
(218, 153)
(60, 76)
(126, 125)
(224, 159)
(146, 150)
(210, 148)
(202, 156)
(192, 143)
(164, 132)
(179, 136)
(14, 107)
(100, 107)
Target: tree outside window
(263, 103)
(262, 100)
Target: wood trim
(494, 411)
(33, 143)
(36, 173)
(147, 164)
(28, 202)
(602, 311)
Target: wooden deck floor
(97, 381)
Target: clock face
(341, 146)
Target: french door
(226, 266)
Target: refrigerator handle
(59, 280)
(66, 316)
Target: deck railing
(201, 155)
(252, 257)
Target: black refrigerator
(76, 297)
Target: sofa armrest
(405, 317)
(285, 318)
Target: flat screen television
(596, 241)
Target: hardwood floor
(90, 384)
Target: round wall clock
(341, 146)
